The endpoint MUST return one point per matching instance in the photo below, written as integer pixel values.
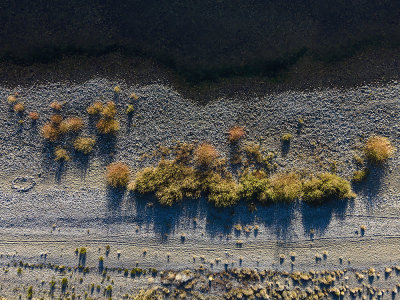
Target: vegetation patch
(326, 186)
(378, 149)
(84, 144)
(118, 174)
(236, 133)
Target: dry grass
(134, 96)
(84, 144)
(34, 116)
(378, 149)
(118, 174)
(236, 133)
(19, 107)
(61, 154)
(56, 105)
(95, 108)
(73, 124)
(205, 154)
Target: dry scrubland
(288, 182)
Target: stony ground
(53, 208)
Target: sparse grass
(236, 133)
(34, 116)
(378, 149)
(205, 154)
(326, 186)
(73, 124)
(134, 96)
(84, 144)
(360, 175)
(95, 108)
(61, 154)
(118, 174)
(286, 137)
(19, 107)
(56, 105)
(129, 109)
(256, 157)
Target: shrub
(64, 283)
(285, 187)
(183, 153)
(118, 174)
(170, 182)
(117, 89)
(109, 110)
(84, 144)
(11, 99)
(134, 96)
(108, 126)
(56, 105)
(326, 186)
(34, 116)
(256, 157)
(223, 192)
(61, 154)
(236, 133)
(56, 119)
(129, 109)
(286, 137)
(50, 132)
(71, 125)
(95, 108)
(360, 175)
(378, 149)
(19, 107)
(30, 292)
(205, 154)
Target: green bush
(378, 149)
(326, 186)
(360, 175)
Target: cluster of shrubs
(188, 176)
(107, 124)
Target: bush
(56, 105)
(56, 119)
(170, 182)
(84, 144)
(34, 116)
(286, 137)
(19, 107)
(256, 157)
(134, 96)
(118, 174)
(236, 133)
(50, 132)
(61, 154)
(108, 126)
(284, 187)
(183, 153)
(326, 186)
(378, 149)
(95, 108)
(11, 99)
(223, 192)
(73, 124)
(117, 89)
(205, 154)
(129, 109)
(360, 175)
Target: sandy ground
(70, 207)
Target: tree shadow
(372, 184)
(106, 145)
(285, 147)
(114, 201)
(82, 162)
(316, 218)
